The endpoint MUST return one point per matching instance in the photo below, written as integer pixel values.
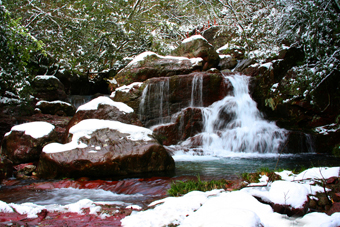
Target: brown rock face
(149, 64)
(198, 46)
(48, 88)
(106, 152)
(188, 123)
(21, 148)
(163, 97)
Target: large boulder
(163, 97)
(197, 46)
(48, 88)
(25, 141)
(189, 122)
(217, 36)
(103, 148)
(150, 64)
(56, 108)
(106, 109)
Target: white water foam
(234, 127)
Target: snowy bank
(240, 208)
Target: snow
(144, 55)
(86, 127)
(192, 38)
(44, 77)
(103, 100)
(53, 102)
(35, 129)
(325, 129)
(126, 88)
(240, 208)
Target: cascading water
(197, 91)
(155, 102)
(234, 124)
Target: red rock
(332, 180)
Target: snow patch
(93, 104)
(53, 102)
(126, 88)
(192, 38)
(44, 77)
(35, 129)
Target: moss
(179, 188)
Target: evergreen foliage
(92, 36)
(17, 47)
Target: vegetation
(179, 188)
(17, 48)
(96, 35)
(255, 177)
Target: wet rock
(149, 64)
(197, 46)
(102, 148)
(24, 171)
(56, 108)
(163, 97)
(6, 168)
(48, 88)
(24, 142)
(188, 123)
(299, 142)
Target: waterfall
(197, 91)
(154, 103)
(234, 124)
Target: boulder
(106, 109)
(189, 122)
(48, 88)
(236, 52)
(198, 47)
(227, 62)
(163, 97)
(103, 148)
(150, 64)
(129, 94)
(24, 142)
(217, 36)
(56, 108)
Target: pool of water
(231, 167)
